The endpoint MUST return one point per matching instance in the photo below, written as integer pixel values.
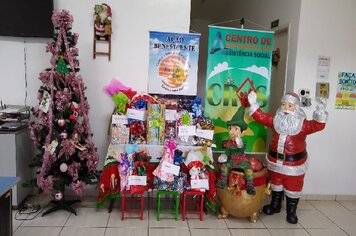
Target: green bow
(156, 123)
(120, 100)
(185, 119)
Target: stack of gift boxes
(155, 120)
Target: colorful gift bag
(162, 172)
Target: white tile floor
(316, 218)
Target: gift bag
(166, 170)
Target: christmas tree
(59, 125)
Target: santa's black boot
(292, 204)
(276, 203)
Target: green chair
(175, 199)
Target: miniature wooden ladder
(102, 40)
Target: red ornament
(74, 107)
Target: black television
(26, 18)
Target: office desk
(6, 183)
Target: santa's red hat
(197, 164)
(108, 9)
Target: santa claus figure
(288, 159)
(102, 21)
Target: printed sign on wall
(173, 63)
(346, 91)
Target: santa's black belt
(285, 157)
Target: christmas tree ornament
(58, 196)
(64, 135)
(52, 146)
(74, 108)
(62, 66)
(63, 167)
(61, 122)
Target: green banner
(238, 61)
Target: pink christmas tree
(59, 125)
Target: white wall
(328, 28)
(132, 21)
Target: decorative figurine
(102, 29)
(287, 158)
(102, 21)
(241, 180)
(234, 157)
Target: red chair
(126, 197)
(195, 197)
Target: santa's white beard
(288, 124)
(103, 15)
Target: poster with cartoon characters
(239, 61)
(173, 63)
(346, 91)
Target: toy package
(204, 133)
(186, 130)
(155, 124)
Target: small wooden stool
(126, 196)
(195, 197)
(175, 199)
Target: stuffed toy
(193, 155)
(194, 173)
